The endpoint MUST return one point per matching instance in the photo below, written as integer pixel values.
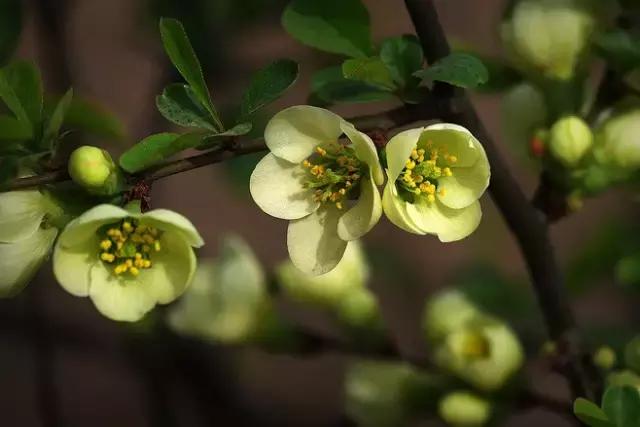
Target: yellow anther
(106, 244)
(119, 245)
(414, 154)
(453, 159)
(416, 191)
(447, 172)
(306, 163)
(138, 263)
(342, 191)
(321, 151)
(421, 158)
(421, 151)
(434, 154)
(347, 184)
(147, 263)
(148, 238)
(122, 268)
(418, 178)
(410, 164)
(127, 227)
(138, 255)
(128, 263)
(134, 271)
(156, 246)
(431, 198)
(339, 205)
(105, 256)
(114, 232)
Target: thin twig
(527, 224)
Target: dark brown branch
(527, 224)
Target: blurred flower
(524, 110)
(472, 345)
(464, 409)
(125, 261)
(605, 358)
(618, 141)
(571, 139)
(325, 188)
(359, 309)
(28, 229)
(436, 176)
(550, 36)
(376, 393)
(329, 289)
(93, 169)
(228, 296)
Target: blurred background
(59, 356)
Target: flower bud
(523, 111)
(571, 139)
(93, 169)
(605, 358)
(447, 312)
(359, 309)
(549, 35)
(618, 141)
(632, 354)
(464, 409)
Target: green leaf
(369, 70)
(179, 104)
(590, 414)
(94, 119)
(57, 117)
(330, 86)
(11, 12)
(620, 49)
(8, 170)
(156, 148)
(268, 85)
(24, 78)
(622, 406)
(336, 26)
(458, 69)
(13, 129)
(183, 57)
(403, 57)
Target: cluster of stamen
(333, 172)
(420, 174)
(128, 246)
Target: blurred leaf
(368, 70)
(403, 57)
(57, 117)
(178, 47)
(330, 86)
(179, 104)
(267, 85)
(10, 27)
(13, 129)
(590, 414)
(93, 118)
(628, 270)
(24, 78)
(156, 148)
(458, 69)
(336, 26)
(622, 406)
(620, 49)
(8, 169)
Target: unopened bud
(605, 358)
(359, 309)
(618, 141)
(571, 139)
(93, 169)
(464, 409)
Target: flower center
(127, 246)
(419, 178)
(475, 346)
(334, 172)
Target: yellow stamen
(410, 164)
(127, 227)
(447, 172)
(339, 205)
(156, 246)
(106, 244)
(134, 271)
(105, 256)
(431, 198)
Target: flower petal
(172, 271)
(313, 242)
(293, 133)
(72, 264)
(276, 186)
(169, 220)
(396, 210)
(118, 298)
(21, 213)
(399, 149)
(361, 218)
(455, 140)
(20, 261)
(365, 151)
(448, 224)
(466, 185)
(87, 224)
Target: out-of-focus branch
(528, 225)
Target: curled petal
(168, 220)
(361, 218)
(448, 224)
(313, 241)
(85, 226)
(397, 210)
(399, 149)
